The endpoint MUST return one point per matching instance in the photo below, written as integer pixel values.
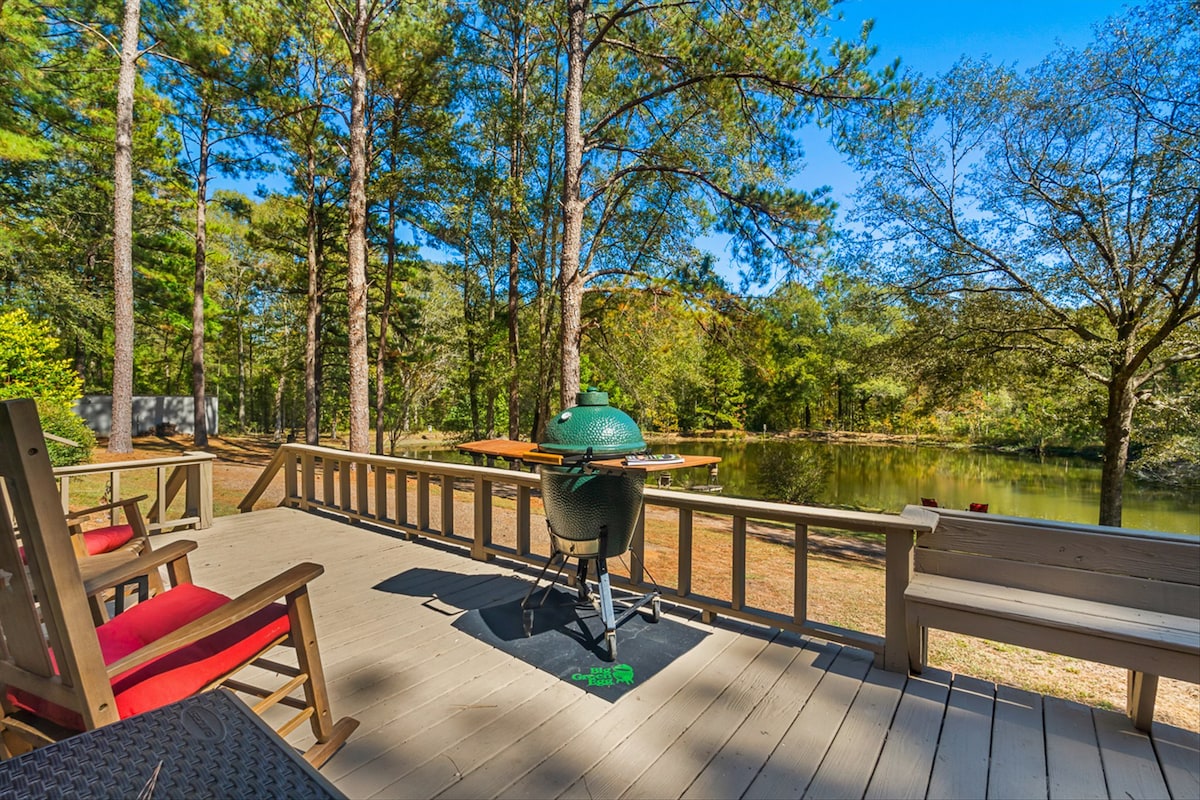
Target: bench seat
(1130, 599)
(1133, 638)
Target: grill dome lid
(592, 427)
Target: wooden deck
(749, 712)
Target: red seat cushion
(105, 540)
(180, 673)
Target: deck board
(847, 766)
(904, 765)
(562, 768)
(689, 754)
(747, 712)
(641, 747)
(1018, 766)
(1179, 754)
(1072, 753)
(735, 766)
(791, 766)
(1130, 766)
(960, 767)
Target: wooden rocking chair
(60, 674)
(99, 549)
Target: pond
(887, 477)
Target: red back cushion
(105, 540)
(979, 507)
(929, 502)
(178, 674)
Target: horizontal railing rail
(191, 472)
(375, 489)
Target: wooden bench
(1121, 597)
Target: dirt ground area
(845, 585)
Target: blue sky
(930, 36)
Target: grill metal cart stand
(602, 599)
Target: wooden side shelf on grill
(619, 465)
(510, 450)
(528, 452)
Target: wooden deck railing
(191, 472)
(375, 489)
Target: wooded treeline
(565, 158)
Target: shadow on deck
(745, 712)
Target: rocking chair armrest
(221, 618)
(144, 564)
(124, 502)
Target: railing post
(739, 563)
(329, 468)
(191, 491)
(205, 499)
(308, 466)
(684, 585)
(800, 576)
(381, 494)
(344, 468)
(423, 501)
(638, 546)
(483, 520)
(524, 493)
(899, 573)
(447, 505)
(401, 496)
(158, 511)
(362, 496)
(306, 489)
(114, 485)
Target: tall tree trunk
(120, 439)
(570, 278)
(199, 405)
(491, 389)
(1118, 426)
(514, 345)
(241, 371)
(385, 316)
(546, 346)
(312, 317)
(516, 189)
(356, 278)
(279, 387)
(472, 355)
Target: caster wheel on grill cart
(527, 620)
(655, 610)
(610, 638)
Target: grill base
(590, 550)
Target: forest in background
(1022, 270)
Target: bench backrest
(1138, 569)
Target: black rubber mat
(567, 640)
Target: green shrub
(29, 367)
(67, 424)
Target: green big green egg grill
(592, 514)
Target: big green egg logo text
(606, 676)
